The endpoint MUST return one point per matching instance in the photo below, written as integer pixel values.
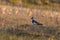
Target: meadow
(29, 32)
(15, 22)
(12, 28)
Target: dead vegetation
(30, 32)
(14, 27)
(19, 15)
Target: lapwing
(34, 22)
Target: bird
(34, 22)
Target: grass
(35, 4)
(12, 29)
(30, 32)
